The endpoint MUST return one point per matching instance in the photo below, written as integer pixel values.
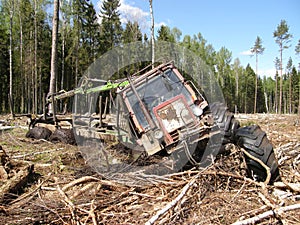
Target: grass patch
(247, 123)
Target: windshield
(156, 91)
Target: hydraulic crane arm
(82, 90)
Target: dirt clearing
(59, 188)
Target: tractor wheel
(225, 121)
(39, 133)
(63, 135)
(253, 140)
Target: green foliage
(111, 29)
(132, 33)
(4, 65)
(257, 48)
(164, 34)
(297, 48)
(282, 35)
(83, 38)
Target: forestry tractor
(155, 113)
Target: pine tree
(282, 38)
(297, 50)
(294, 90)
(132, 32)
(257, 49)
(225, 75)
(164, 34)
(4, 73)
(111, 29)
(248, 89)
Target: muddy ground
(59, 188)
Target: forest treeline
(83, 36)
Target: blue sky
(234, 24)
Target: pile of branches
(219, 194)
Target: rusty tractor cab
(161, 109)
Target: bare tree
(152, 32)
(35, 60)
(257, 49)
(282, 38)
(54, 51)
(277, 67)
(11, 10)
(21, 57)
(297, 50)
(289, 68)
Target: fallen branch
(89, 179)
(92, 214)
(266, 182)
(69, 204)
(79, 181)
(174, 201)
(292, 186)
(82, 190)
(267, 214)
(267, 201)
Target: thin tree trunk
(281, 82)
(35, 60)
(299, 96)
(255, 94)
(62, 63)
(76, 64)
(152, 33)
(40, 99)
(271, 102)
(284, 95)
(28, 87)
(31, 73)
(237, 85)
(77, 52)
(276, 93)
(290, 93)
(54, 51)
(23, 95)
(266, 101)
(10, 59)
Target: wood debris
(69, 192)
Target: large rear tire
(225, 121)
(255, 141)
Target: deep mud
(64, 190)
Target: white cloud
(158, 25)
(132, 13)
(247, 53)
(267, 72)
(129, 12)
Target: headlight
(197, 111)
(158, 134)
